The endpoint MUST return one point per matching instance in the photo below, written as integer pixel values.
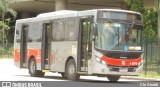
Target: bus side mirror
(126, 37)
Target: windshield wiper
(129, 32)
(130, 28)
(118, 35)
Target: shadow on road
(80, 80)
(83, 82)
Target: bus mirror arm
(94, 28)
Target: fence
(6, 50)
(151, 61)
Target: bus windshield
(118, 36)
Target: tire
(113, 78)
(32, 69)
(71, 71)
(63, 75)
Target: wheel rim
(32, 67)
(71, 70)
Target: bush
(6, 51)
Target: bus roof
(68, 13)
(63, 12)
(120, 10)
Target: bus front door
(46, 45)
(23, 46)
(85, 44)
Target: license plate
(123, 70)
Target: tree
(5, 11)
(136, 5)
(150, 16)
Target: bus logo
(123, 62)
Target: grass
(6, 56)
(150, 74)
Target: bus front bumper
(111, 70)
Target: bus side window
(71, 30)
(18, 36)
(34, 33)
(58, 30)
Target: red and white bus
(100, 42)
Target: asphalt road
(9, 72)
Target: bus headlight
(140, 63)
(100, 61)
(103, 62)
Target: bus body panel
(34, 50)
(17, 45)
(61, 52)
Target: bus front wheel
(113, 78)
(71, 71)
(63, 75)
(33, 69)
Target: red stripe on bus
(52, 58)
(30, 52)
(17, 55)
(121, 62)
(34, 52)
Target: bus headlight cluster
(140, 63)
(100, 61)
(103, 62)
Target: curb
(140, 78)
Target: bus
(99, 42)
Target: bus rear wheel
(113, 78)
(33, 69)
(71, 71)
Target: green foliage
(5, 9)
(6, 51)
(136, 5)
(2, 50)
(7, 16)
(6, 27)
(150, 16)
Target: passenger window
(58, 30)
(71, 30)
(35, 33)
